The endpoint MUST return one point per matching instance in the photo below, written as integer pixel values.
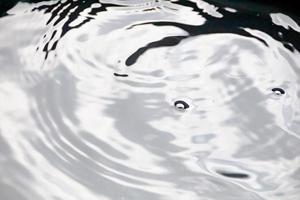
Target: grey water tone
(149, 100)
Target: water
(154, 100)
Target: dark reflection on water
(234, 175)
(77, 123)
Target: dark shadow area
(229, 23)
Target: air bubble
(278, 91)
(181, 105)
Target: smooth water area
(149, 100)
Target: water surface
(154, 100)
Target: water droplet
(278, 91)
(181, 105)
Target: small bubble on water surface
(278, 91)
(181, 105)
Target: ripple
(91, 93)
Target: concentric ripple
(149, 99)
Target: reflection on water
(149, 100)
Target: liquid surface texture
(149, 100)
